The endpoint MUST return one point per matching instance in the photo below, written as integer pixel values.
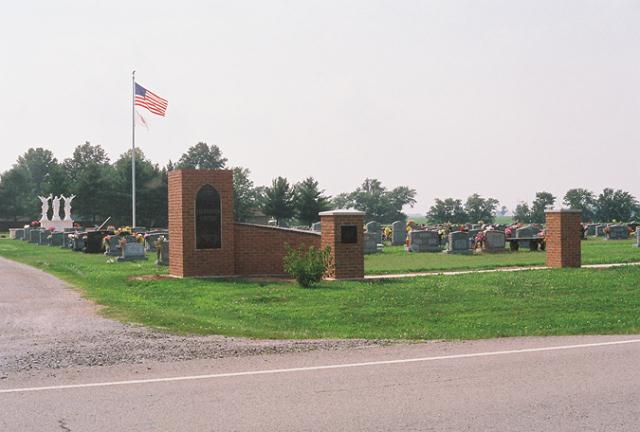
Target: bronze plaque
(208, 223)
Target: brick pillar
(342, 230)
(185, 257)
(562, 235)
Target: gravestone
(472, 237)
(162, 251)
(18, 234)
(618, 232)
(56, 239)
(151, 238)
(44, 238)
(27, 234)
(599, 229)
(93, 241)
(638, 237)
(67, 241)
(526, 232)
(34, 235)
(112, 245)
(476, 226)
(316, 226)
(77, 243)
(591, 229)
(398, 233)
(12, 233)
(370, 243)
(494, 241)
(458, 242)
(424, 241)
(133, 251)
(374, 227)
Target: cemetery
(203, 239)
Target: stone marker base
(133, 258)
(495, 251)
(458, 252)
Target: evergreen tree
(279, 200)
(310, 200)
(245, 195)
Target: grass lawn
(545, 302)
(396, 260)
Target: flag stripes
(150, 100)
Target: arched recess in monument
(208, 218)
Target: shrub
(306, 266)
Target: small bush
(306, 266)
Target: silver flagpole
(133, 150)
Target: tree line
(610, 205)
(103, 188)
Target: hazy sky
(503, 98)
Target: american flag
(150, 100)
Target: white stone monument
(56, 222)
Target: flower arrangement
(35, 224)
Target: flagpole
(133, 150)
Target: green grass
(394, 259)
(545, 302)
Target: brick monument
(201, 223)
(205, 240)
(342, 230)
(563, 234)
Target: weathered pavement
(511, 384)
(45, 324)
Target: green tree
(41, 168)
(480, 209)
(341, 201)
(522, 213)
(245, 195)
(448, 210)
(279, 200)
(91, 179)
(581, 199)
(377, 202)
(310, 200)
(15, 188)
(540, 204)
(151, 195)
(202, 156)
(616, 205)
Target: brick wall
(259, 249)
(347, 258)
(562, 235)
(184, 258)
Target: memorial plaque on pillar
(208, 218)
(348, 234)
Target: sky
(502, 98)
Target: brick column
(342, 230)
(185, 259)
(562, 235)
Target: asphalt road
(589, 383)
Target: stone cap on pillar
(342, 212)
(563, 210)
